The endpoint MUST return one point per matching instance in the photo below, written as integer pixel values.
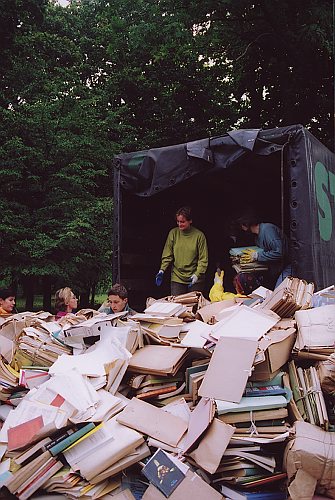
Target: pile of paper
(316, 335)
(308, 395)
(192, 301)
(290, 296)
(159, 407)
(27, 339)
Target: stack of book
(165, 309)
(315, 339)
(249, 468)
(194, 375)
(32, 475)
(156, 388)
(262, 411)
(9, 381)
(193, 301)
(159, 360)
(160, 329)
(290, 296)
(308, 396)
(236, 254)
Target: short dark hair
(185, 212)
(248, 219)
(119, 290)
(6, 292)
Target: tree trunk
(46, 293)
(84, 300)
(28, 291)
(93, 296)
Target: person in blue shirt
(274, 249)
(117, 301)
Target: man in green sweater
(186, 249)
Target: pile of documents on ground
(189, 399)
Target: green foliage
(82, 83)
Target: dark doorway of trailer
(217, 196)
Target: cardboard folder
(213, 445)
(229, 369)
(153, 421)
(157, 359)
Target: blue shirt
(274, 244)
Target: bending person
(274, 249)
(186, 250)
(65, 302)
(7, 301)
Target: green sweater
(187, 251)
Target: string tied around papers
(35, 352)
(313, 390)
(253, 428)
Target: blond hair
(62, 298)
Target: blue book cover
(163, 473)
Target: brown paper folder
(190, 487)
(213, 445)
(200, 419)
(229, 369)
(157, 359)
(153, 421)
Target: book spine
(72, 438)
(156, 392)
(40, 480)
(59, 439)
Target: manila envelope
(190, 487)
(213, 445)
(153, 421)
(229, 368)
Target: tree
(56, 159)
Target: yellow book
(86, 436)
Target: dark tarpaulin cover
(146, 173)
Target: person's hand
(159, 277)
(248, 255)
(193, 280)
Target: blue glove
(193, 280)
(159, 277)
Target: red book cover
(23, 434)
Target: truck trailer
(285, 174)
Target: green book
(72, 438)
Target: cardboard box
(276, 346)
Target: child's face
(116, 303)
